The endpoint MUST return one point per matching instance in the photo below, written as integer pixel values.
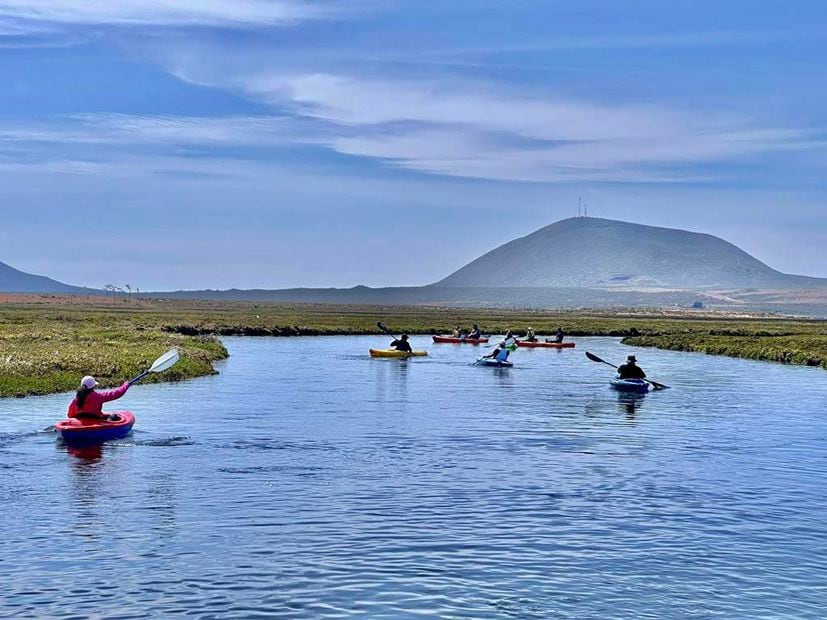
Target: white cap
(89, 382)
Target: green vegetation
(47, 343)
(43, 352)
(805, 349)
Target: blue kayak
(487, 361)
(638, 386)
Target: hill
(15, 281)
(585, 252)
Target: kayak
(495, 363)
(87, 430)
(638, 386)
(545, 345)
(452, 340)
(395, 353)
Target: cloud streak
(164, 12)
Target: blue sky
(273, 143)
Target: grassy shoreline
(48, 342)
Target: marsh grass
(42, 353)
(47, 343)
(804, 349)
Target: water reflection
(391, 379)
(88, 469)
(84, 456)
(629, 403)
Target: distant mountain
(15, 281)
(586, 252)
(573, 263)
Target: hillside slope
(15, 281)
(599, 253)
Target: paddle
(381, 326)
(167, 360)
(654, 384)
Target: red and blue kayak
(454, 340)
(91, 430)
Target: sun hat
(89, 382)
(632, 358)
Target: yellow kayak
(395, 353)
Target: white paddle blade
(167, 360)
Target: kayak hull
(545, 345)
(89, 431)
(452, 340)
(494, 363)
(634, 386)
(396, 354)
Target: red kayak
(452, 340)
(545, 345)
(90, 430)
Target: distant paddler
(509, 342)
(530, 336)
(558, 337)
(500, 354)
(630, 370)
(402, 344)
(475, 334)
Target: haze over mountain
(586, 252)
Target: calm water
(307, 480)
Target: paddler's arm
(115, 394)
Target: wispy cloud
(135, 145)
(164, 12)
(461, 128)
(428, 127)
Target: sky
(183, 144)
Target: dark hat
(404, 336)
(631, 358)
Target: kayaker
(630, 370)
(530, 336)
(558, 337)
(475, 334)
(457, 333)
(89, 404)
(509, 341)
(500, 354)
(402, 344)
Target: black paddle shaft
(381, 326)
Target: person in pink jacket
(89, 404)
